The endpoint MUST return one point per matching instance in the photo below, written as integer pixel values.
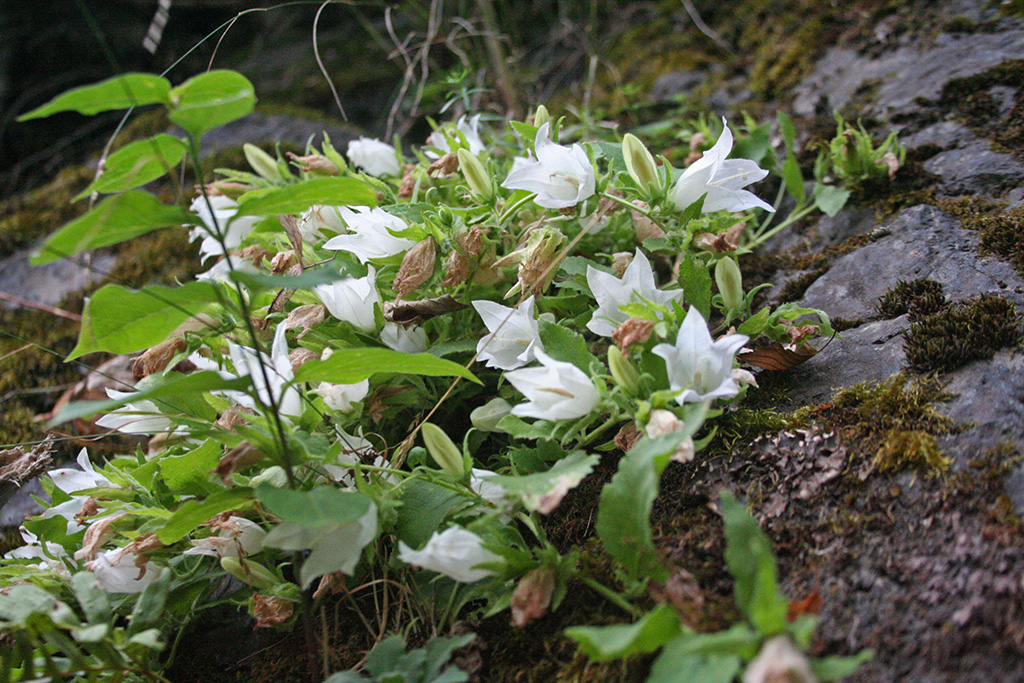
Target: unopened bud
(476, 175)
(443, 450)
(261, 162)
(623, 372)
(282, 261)
(314, 163)
(640, 164)
(663, 422)
(541, 116)
(256, 575)
(621, 261)
(532, 597)
(486, 417)
(417, 267)
(779, 660)
(274, 476)
(730, 284)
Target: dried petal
(271, 610)
(417, 267)
(282, 262)
(408, 185)
(627, 437)
(643, 227)
(301, 356)
(314, 163)
(306, 317)
(238, 458)
(444, 167)
(532, 596)
(633, 331)
(157, 358)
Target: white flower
(357, 448)
(490, 491)
(316, 219)
(369, 237)
(48, 552)
(116, 571)
(514, 334)
(137, 417)
(663, 422)
(636, 284)
(400, 338)
(273, 386)
(561, 176)
(71, 480)
(238, 536)
(697, 364)
(352, 299)
(219, 221)
(221, 270)
(779, 660)
(454, 552)
(556, 391)
(373, 156)
(340, 397)
(470, 129)
(720, 179)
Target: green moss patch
(917, 298)
(961, 333)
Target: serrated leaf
(647, 634)
(121, 320)
(294, 199)
(542, 491)
(211, 99)
(564, 344)
(120, 92)
(348, 366)
(194, 512)
(423, 507)
(187, 473)
(748, 552)
(696, 283)
(114, 220)
(319, 507)
(136, 164)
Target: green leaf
(674, 665)
(294, 199)
(149, 606)
(307, 280)
(794, 178)
(189, 472)
(564, 344)
(136, 164)
(623, 513)
(348, 366)
(544, 490)
(738, 639)
(92, 598)
(25, 603)
(748, 553)
(424, 506)
(521, 429)
(167, 386)
(320, 507)
(696, 283)
(837, 668)
(194, 512)
(120, 92)
(755, 324)
(651, 631)
(211, 99)
(114, 220)
(120, 320)
(830, 199)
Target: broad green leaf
(748, 552)
(739, 639)
(194, 512)
(24, 604)
(674, 665)
(830, 199)
(837, 668)
(120, 320)
(307, 280)
(149, 606)
(424, 506)
(755, 324)
(348, 366)
(564, 344)
(521, 429)
(696, 283)
(91, 596)
(211, 99)
(651, 631)
(321, 507)
(787, 129)
(136, 164)
(294, 199)
(120, 92)
(543, 491)
(151, 638)
(168, 386)
(189, 472)
(623, 513)
(794, 179)
(114, 220)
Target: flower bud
(640, 163)
(541, 248)
(779, 660)
(486, 417)
(475, 174)
(623, 372)
(541, 116)
(417, 267)
(314, 163)
(273, 475)
(444, 452)
(730, 284)
(256, 575)
(261, 162)
(663, 422)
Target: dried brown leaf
(778, 357)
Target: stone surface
(49, 284)
(973, 168)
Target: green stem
(513, 209)
(628, 204)
(611, 596)
(793, 218)
(611, 421)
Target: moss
(795, 288)
(26, 218)
(969, 97)
(917, 298)
(917, 449)
(1001, 230)
(961, 333)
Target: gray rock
(975, 169)
(945, 134)
(50, 283)
(22, 504)
(924, 242)
(262, 128)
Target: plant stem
(611, 596)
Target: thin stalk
(793, 218)
(611, 596)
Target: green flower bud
(261, 162)
(623, 372)
(475, 174)
(730, 284)
(640, 163)
(444, 452)
(273, 475)
(486, 417)
(252, 573)
(541, 116)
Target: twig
(40, 307)
(705, 29)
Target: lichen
(960, 333)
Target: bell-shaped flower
(470, 129)
(635, 285)
(373, 156)
(556, 391)
(493, 492)
(369, 236)
(217, 214)
(117, 571)
(71, 480)
(238, 536)
(561, 176)
(405, 339)
(454, 552)
(513, 334)
(48, 552)
(352, 299)
(356, 449)
(137, 417)
(340, 397)
(720, 179)
(271, 376)
(699, 367)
